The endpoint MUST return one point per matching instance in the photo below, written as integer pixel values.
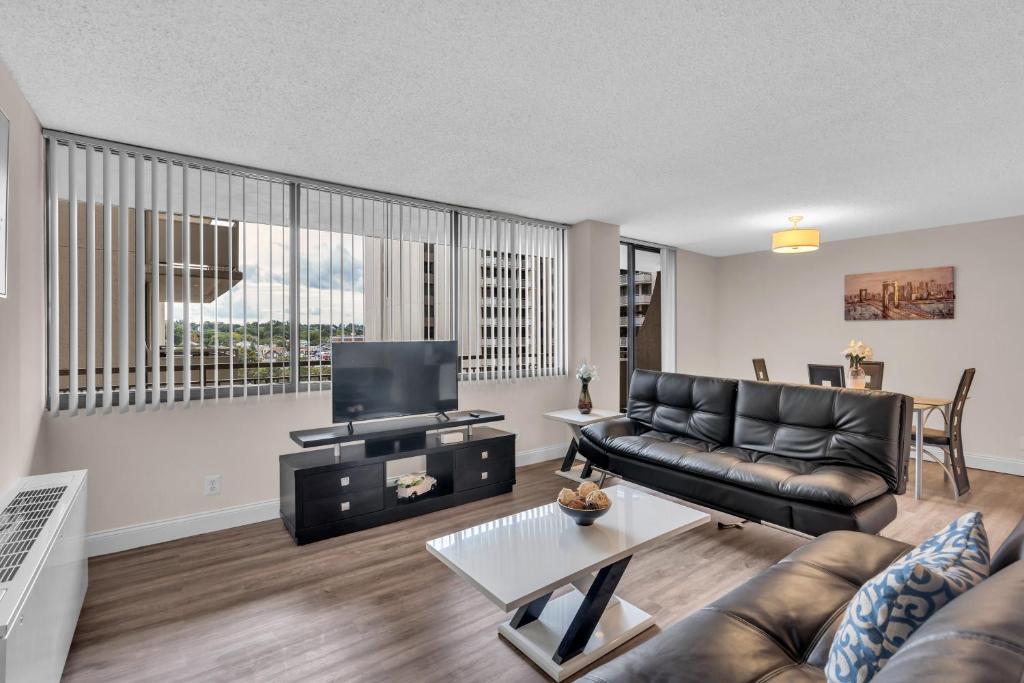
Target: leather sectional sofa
(808, 458)
(779, 625)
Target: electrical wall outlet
(211, 485)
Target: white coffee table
(576, 422)
(520, 560)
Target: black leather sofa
(808, 458)
(779, 625)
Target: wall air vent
(20, 525)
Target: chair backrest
(873, 371)
(760, 370)
(956, 411)
(833, 374)
(701, 408)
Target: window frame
(54, 280)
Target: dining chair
(833, 374)
(760, 370)
(873, 371)
(950, 439)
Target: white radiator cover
(39, 607)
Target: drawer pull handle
(345, 506)
(483, 455)
(344, 481)
(483, 475)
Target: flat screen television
(371, 380)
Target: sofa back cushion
(697, 407)
(867, 430)
(1012, 549)
(892, 605)
(976, 638)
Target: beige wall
(697, 313)
(789, 310)
(23, 312)
(593, 306)
(149, 466)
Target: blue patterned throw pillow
(887, 610)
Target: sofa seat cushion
(814, 481)
(793, 478)
(776, 627)
(630, 438)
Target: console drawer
(482, 465)
(327, 510)
(340, 482)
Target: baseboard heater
(43, 574)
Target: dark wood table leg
(529, 612)
(590, 611)
(570, 456)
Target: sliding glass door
(640, 319)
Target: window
(511, 306)
(154, 308)
(370, 269)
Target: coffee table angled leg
(570, 456)
(590, 611)
(529, 612)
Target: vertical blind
(513, 317)
(387, 270)
(173, 279)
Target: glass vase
(857, 377)
(585, 404)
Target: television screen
(372, 380)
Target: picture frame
(913, 294)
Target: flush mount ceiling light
(795, 240)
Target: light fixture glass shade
(795, 241)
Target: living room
(584, 333)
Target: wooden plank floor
(248, 605)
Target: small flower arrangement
(587, 372)
(857, 352)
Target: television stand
(343, 486)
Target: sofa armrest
(600, 432)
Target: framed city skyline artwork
(919, 294)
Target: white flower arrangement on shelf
(587, 372)
(857, 352)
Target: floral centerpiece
(857, 352)
(586, 374)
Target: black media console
(344, 488)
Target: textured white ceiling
(698, 124)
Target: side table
(576, 422)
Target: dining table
(924, 406)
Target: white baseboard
(995, 463)
(554, 451)
(161, 531)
